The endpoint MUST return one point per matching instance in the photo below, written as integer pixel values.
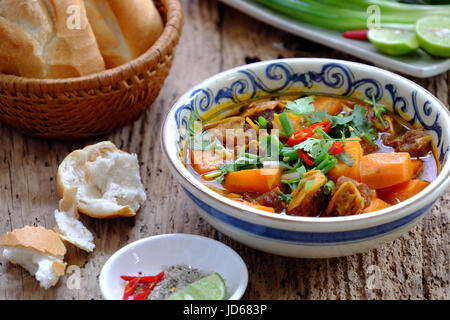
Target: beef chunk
(308, 198)
(269, 199)
(416, 142)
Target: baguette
(107, 179)
(36, 40)
(119, 40)
(38, 250)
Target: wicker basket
(95, 104)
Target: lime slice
(393, 41)
(211, 287)
(433, 34)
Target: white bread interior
(36, 40)
(124, 29)
(108, 180)
(68, 227)
(38, 250)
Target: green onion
(262, 122)
(328, 187)
(352, 14)
(212, 175)
(320, 130)
(330, 166)
(286, 124)
(289, 153)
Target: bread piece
(38, 250)
(37, 40)
(108, 180)
(124, 29)
(68, 227)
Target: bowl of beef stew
(309, 157)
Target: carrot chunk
(332, 105)
(382, 170)
(256, 206)
(253, 180)
(375, 205)
(402, 191)
(206, 161)
(355, 151)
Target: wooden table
(215, 38)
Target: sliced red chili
(306, 158)
(129, 288)
(299, 136)
(325, 125)
(143, 295)
(356, 34)
(145, 279)
(337, 148)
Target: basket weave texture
(95, 104)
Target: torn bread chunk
(108, 181)
(68, 227)
(38, 250)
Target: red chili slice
(337, 148)
(143, 295)
(132, 283)
(325, 125)
(356, 34)
(145, 279)
(129, 288)
(299, 136)
(306, 158)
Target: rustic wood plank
(215, 38)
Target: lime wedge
(393, 41)
(433, 34)
(211, 287)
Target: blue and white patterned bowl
(306, 236)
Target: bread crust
(147, 24)
(74, 52)
(36, 41)
(35, 238)
(119, 40)
(59, 268)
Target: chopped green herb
(379, 110)
(286, 124)
(301, 106)
(262, 122)
(328, 187)
(212, 174)
(286, 197)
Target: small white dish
(150, 255)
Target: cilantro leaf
(286, 197)
(379, 110)
(228, 167)
(318, 116)
(302, 105)
(346, 158)
(315, 147)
